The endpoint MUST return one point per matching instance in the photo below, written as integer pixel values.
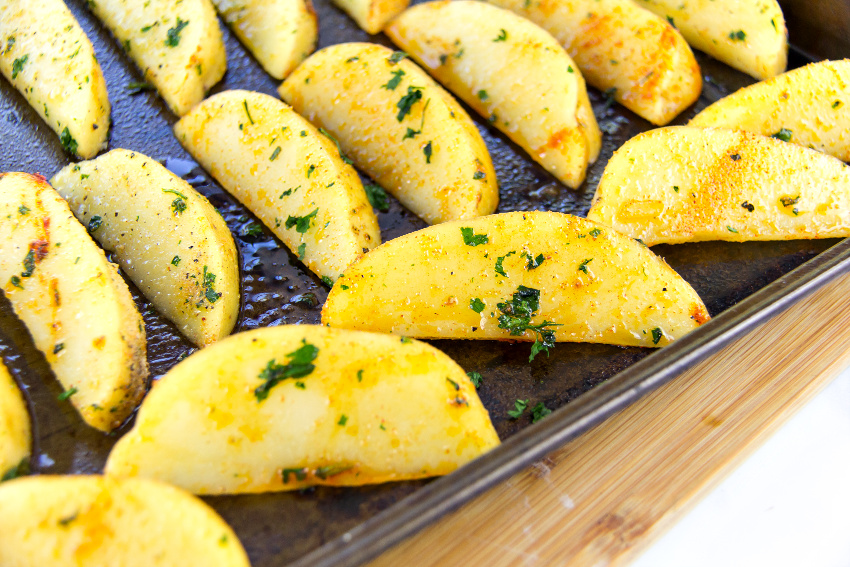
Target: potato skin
(46, 55)
(620, 46)
(75, 305)
(344, 89)
(279, 33)
(372, 15)
(176, 44)
(596, 284)
(90, 520)
(235, 135)
(166, 236)
(812, 102)
(749, 36)
(15, 434)
(682, 184)
(374, 408)
(526, 85)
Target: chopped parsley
(343, 419)
(302, 250)
(414, 94)
(482, 95)
(135, 87)
(175, 261)
(519, 409)
(657, 334)
(516, 319)
(288, 192)
(406, 340)
(730, 229)
(301, 224)
(538, 412)
(310, 170)
(360, 375)
(58, 347)
(29, 264)
(784, 134)
(331, 470)
(251, 230)
(476, 304)
(23, 210)
(478, 175)
(395, 80)
(300, 364)
(676, 188)
(248, 113)
(377, 197)
(338, 148)
(209, 291)
(472, 239)
(16, 281)
(595, 232)
(503, 36)
(428, 151)
(583, 266)
(837, 104)
(67, 394)
(327, 281)
(499, 269)
(303, 133)
(533, 261)
(453, 384)
(396, 57)
(749, 206)
(788, 201)
(476, 379)
(69, 144)
(18, 65)
(173, 39)
(299, 474)
(670, 21)
(275, 153)
(739, 35)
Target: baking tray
(741, 284)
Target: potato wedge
(46, 55)
(510, 71)
(176, 44)
(809, 106)
(287, 173)
(15, 435)
(282, 408)
(91, 520)
(72, 300)
(749, 36)
(372, 15)
(427, 153)
(497, 277)
(681, 184)
(280, 33)
(623, 49)
(165, 235)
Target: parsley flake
(583, 266)
(395, 80)
(428, 151)
(338, 148)
(301, 224)
(476, 304)
(69, 144)
(516, 319)
(67, 394)
(173, 39)
(788, 201)
(377, 197)
(18, 65)
(739, 35)
(23, 210)
(784, 134)
(414, 94)
(472, 239)
(275, 153)
(300, 364)
(533, 262)
(209, 292)
(499, 269)
(519, 409)
(396, 57)
(175, 261)
(94, 223)
(476, 379)
(503, 36)
(343, 419)
(302, 250)
(538, 412)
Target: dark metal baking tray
(741, 284)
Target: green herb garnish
(472, 239)
(301, 224)
(519, 408)
(784, 134)
(69, 144)
(414, 94)
(377, 197)
(67, 394)
(396, 57)
(739, 35)
(428, 151)
(173, 39)
(18, 65)
(300, 364)
(499, 269)
(476, 379)
(395, 80)
(656, 335)
(538, 412)
(476, 304)
(516, 319)
(503, 36)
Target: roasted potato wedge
(398, 126)
(286, 407)
(372, 15)
(809, 106)
(72, 300)
(749, 36)
(291, 176)
(622, 49)
(280, 33)
(15, 436)
(176, 44)
(46, 55)
(539, 276)
(90, 520)
(166, 236)
(510, 71)
(681, 184)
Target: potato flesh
(307, 174)
(177, 45)
(522, 84)
(75, 305)
(279, 33)
(620, 46)
(15, 436)
(682, 184)
(46, 55)
(812, 103)
(184, 261)
(600, 286)
(374, 409)
(90, 520)
(749, 36)
(343, 89)
(372, 15)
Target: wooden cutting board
(605, 496)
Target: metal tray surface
(741, 284)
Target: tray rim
(428, 504)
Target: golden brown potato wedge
(46, 55)
(166, 236)
(280, 33)
(510, 71)
(681, 184)
(285, 407)
(287, 173)
(15, 437)
(809, 106)
(538, 276)
(372, 15)
(398, 126)
(176, 44)
(749, 36)
(90, 520)
(72, 300)
(622, 49)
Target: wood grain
(604, 496)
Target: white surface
(788, 504)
